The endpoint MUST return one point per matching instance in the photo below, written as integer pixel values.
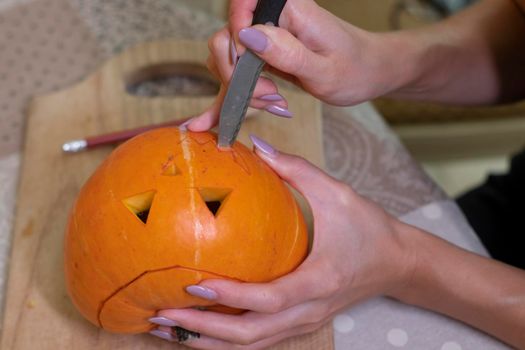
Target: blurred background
(458, 147)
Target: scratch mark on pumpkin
(203, 139)
(212, 144)
(119, 289)
(197, 226)
(168, 163)
(239, 159)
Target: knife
(244, 78)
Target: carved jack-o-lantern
(167, 209)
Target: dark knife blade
(244, 78)
(238, 97)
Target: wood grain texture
(38, 312)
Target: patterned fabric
(363, 152)
(118, 24)
(384, 324)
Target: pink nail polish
(271, 98)
(202, 292)
(263, 146)
(163, 321)
(184, 126)
(279, 111)
(163, 335)
(253, 39)
(233, 52)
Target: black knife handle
(268, 11)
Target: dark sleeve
(521, 5)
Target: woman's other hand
(357, 253)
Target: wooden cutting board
(38, 312)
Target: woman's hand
(329, 58)
(357, 253)
(472, 58)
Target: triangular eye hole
(214, 198)
(140, 205)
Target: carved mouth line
(103, 303)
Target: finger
(220, 49)
(277, 108)
(174, 334)
(283, 75)
(248, 328)
(210, 117)
(313, 183)
(234, 55)
(205, 342)
(296, 16)
(212, 67)
(219, 63)
(240, 16)
(301, 14)
(265, 93)
(313, 280)
(266, 90)
(283, 51)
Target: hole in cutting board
(172, 79)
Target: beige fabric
(43, 48)
(362, 151)
(5, 4)
(118, 24)
(8, 166)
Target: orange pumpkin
(168, 209)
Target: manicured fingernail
(163, 321)
(202, 292)
(163, 335)
(184, 126)
(253, 39)
(271, 97)
(279, 111)
(263, 146)
(233, 52)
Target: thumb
(313, 183)
(209, 118)
(283, 51)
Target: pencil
(90, 142)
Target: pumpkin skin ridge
(142, 274)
